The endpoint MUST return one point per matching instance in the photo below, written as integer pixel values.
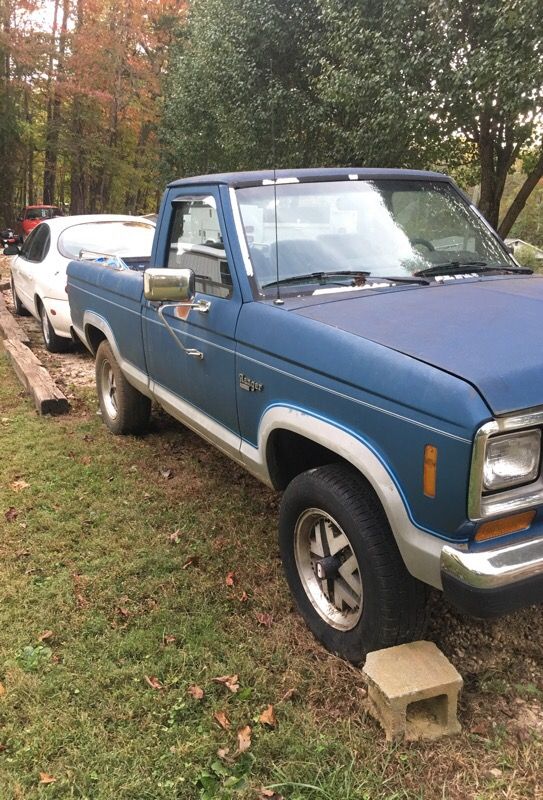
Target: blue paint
(398, 368)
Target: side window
(38, 244)
(196, 243)
(28, 243)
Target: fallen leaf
(243, 597)
(3, 748)
(264, 619)
(82, 602)
(11, 514)
(19, 485)
(269, 794)
(168, 639)
(244, 739)
(192, 561)
(289, 694)
(175, 537)
(222, 752)
(167, 473)
(268, 717)
(153, 682)
(230, 578)
(123, 612)
(2, 689)
(230, 681)
(46, 778)
(196, 691)
(221, 718)
(45, 635)
(86, 460)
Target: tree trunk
(54, 110)
(522, 196)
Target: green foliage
(239, 65)
(454, 85)
(32, 659)
(529, 256)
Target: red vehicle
(32, 216)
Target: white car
(38, 273)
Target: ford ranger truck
(362, 341)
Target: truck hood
(487, 331)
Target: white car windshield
(388, 228)
(115, 237)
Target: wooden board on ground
(47, 397)
(9, 327)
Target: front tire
(124, 409)
(52, 342)
(343, 566)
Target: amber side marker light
(429, 471)
(499, 527)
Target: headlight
(511, 460)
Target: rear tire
(343, 566)
(52, 342)
(18, 307)
(124, 409)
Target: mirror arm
(201, 305)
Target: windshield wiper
(418, 280)
(315, 276)
(460, 268)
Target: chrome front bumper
(493, 582)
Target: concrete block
(413, 691)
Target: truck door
(199, 386)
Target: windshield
(389, 228)
(43, 213)
(122, 238)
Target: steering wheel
(424, 242)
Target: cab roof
(256, 177)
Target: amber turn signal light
(499, 527)
(429, 471)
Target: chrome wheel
(108, 387)
(328, 569)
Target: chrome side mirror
(168, 285)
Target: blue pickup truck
(363, 341)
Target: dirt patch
(68, 370)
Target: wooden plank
(47, 397)
(9, 327)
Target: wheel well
(94, 337)
(288, 454)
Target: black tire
(18, 307)
(124, 409)
(393, 609)
(52, 342)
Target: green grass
(90, 558)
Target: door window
(196, 243)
